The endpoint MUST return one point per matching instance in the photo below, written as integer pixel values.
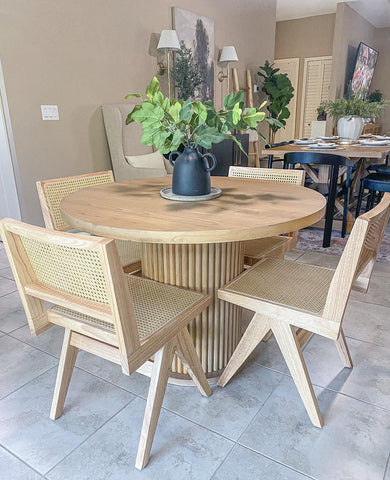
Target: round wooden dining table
(195, 245)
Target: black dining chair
(376, 184)
(271, 159)
(332, 189)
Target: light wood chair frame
(120, 344)
(355, 266)
(48, 215)
(254, 250)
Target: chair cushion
(149, 160)
(155, 304)
(296, 285)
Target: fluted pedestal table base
(205, 268)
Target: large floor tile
(369, 380)
(382, 269)
(320, 259)
(181, 450)
(13, 469)
(243, 464)
(367, 322)
(12, 314)
(49, 341)
(27, 431)
(353, 444)
(135, 383)
(6, 273)
(378, 291)
(20, 364)
(7, 286)
(293, 254)
(3, 257)
(387, 474)
(228, 410)
(269, 355)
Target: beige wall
(81, 54)
(304, 38)
(381, 79)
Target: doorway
(9, 201)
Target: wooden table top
(247, 209)
(354, 152)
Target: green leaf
(236, 113)
(152, 88)
(178, 137)
(186, 111)
(133, 95)
(200, 110)
(174, 111)
(252, 117)
(208, 136)
(130, 118)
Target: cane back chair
(122, 318)
(278, 245)
(286, 294)
(51, 192)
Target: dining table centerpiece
(174, 124)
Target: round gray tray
(167, 194)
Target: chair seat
(291, 284)
(155, 304)
(377, 181)
(258, 248)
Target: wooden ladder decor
(249, 96)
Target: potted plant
(168, 124)
(279, 90)
(350, 112)
(186, 73)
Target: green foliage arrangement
(279, 90)
(344, 107)
(186, 73)
(169, 123)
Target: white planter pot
(350, 128)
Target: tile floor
(254, 428)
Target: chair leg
(267, 336)
(187, 354)
(342, 348)
(158, 384)
(253, 335)
(64, 374)
(289, 346)
(360, 198)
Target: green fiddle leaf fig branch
(167, 124)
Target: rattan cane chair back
(359, 253)
(273, 174)
(51, 193)
(278, 245)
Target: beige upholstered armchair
(130, 159)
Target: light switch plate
(50, 112)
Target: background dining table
(362, 155)
(195, 245)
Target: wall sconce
(228, 54)
(168, 42)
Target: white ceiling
(376, 12)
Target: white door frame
(8, 165)
(303, 99)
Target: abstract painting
(197, 34)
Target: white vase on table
(350, 127)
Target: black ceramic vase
(191, 172)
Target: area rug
(310, 240)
